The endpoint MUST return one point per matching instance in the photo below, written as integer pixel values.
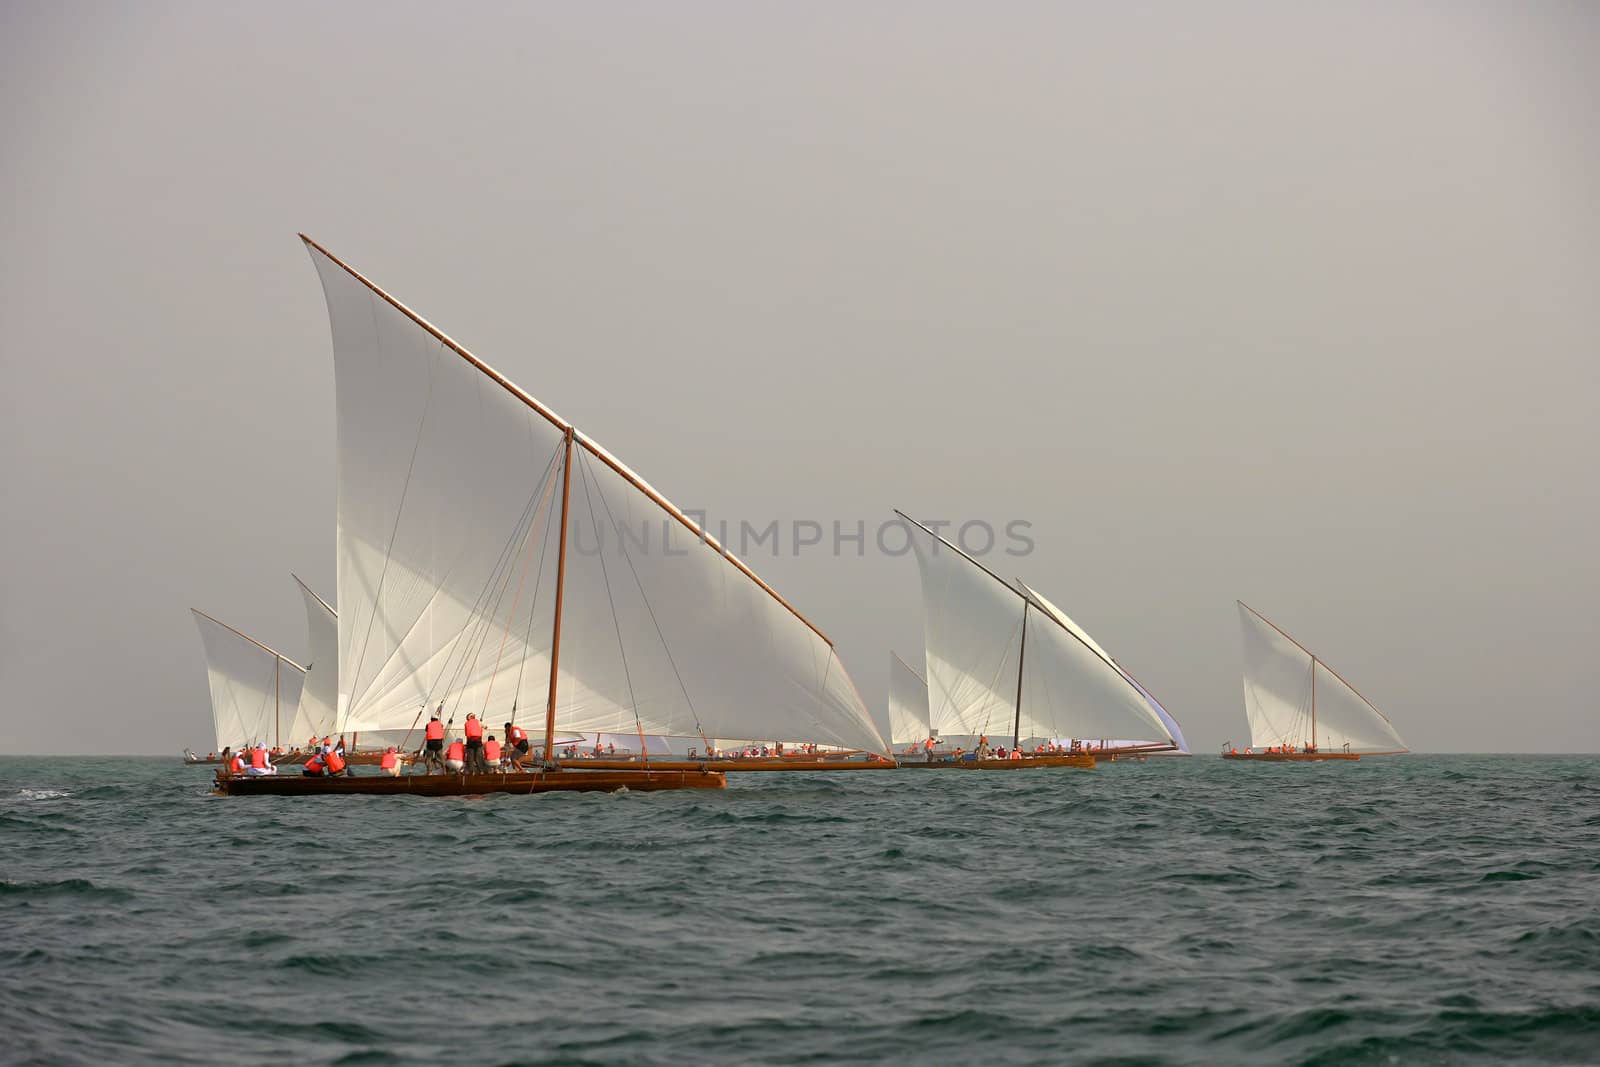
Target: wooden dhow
(254, 688)
(491, 557)
(1003, 663)
(1299, 709)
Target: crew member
(517, 738)
(313, 767)
(335, 764)
(260, 764)
(491, 753)
(433, 748)
(237, 766)
(390, 763)
(455, 757)
(474, 731)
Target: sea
(1400, 910)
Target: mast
(1016, 724)
(561, 574)
(1313, 700)
(277, 704)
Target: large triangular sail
(317, 711)
(1171, 724)
(471, 517)
(907, 719)
(1001, 666)
(1291, 697)
(254, 689)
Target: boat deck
(1290, 757)
(460, 785)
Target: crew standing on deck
(474, 731)
(433, 748)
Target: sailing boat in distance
(1299, 708)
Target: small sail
(1162, 713)
(254, 690)
(1000, 665)
(452, 487)
(319, 697)
(907, 722)
(1291, 696)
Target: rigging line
(517, 598)
(616, 623)
(538, 512)
(394, 530)
(648, 607)
(533, 609)
(475, 632)
(988, 703)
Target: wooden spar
(1022, 649)
(240, 633)
(561, 424)
(561, 575)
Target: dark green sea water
(1405, 910)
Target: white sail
(315, 714)
(907, 722)
(1292, 697)
(452, 484)
(1002, 666)
(254, 689)
(1167, 721)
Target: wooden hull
(1290, 757)
(466, 785)
(724, 765)
(1081, 762)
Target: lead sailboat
(1298, 707)
(1002, 666)
(493, 559)
(254, 688)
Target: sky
(1288, 303)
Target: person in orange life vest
(238, 765)
(433, 747)
(339, 748)
(313, 767)
(491, 753)
(390, 763)
(260, 764)
(517, 738)
(455, 757)
(474, 731)
(1016, 753)
(335, 764)
(327, 745)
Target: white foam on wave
(42, 794)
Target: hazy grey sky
(1290, 303)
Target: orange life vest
(435, 730)
(474, 729)
(390, 761)
(515, 735)
(1016, 753)
(238, 765)
(491, 751)
(314, 763)
(335, 762)
(456, 751)
(258, 758)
